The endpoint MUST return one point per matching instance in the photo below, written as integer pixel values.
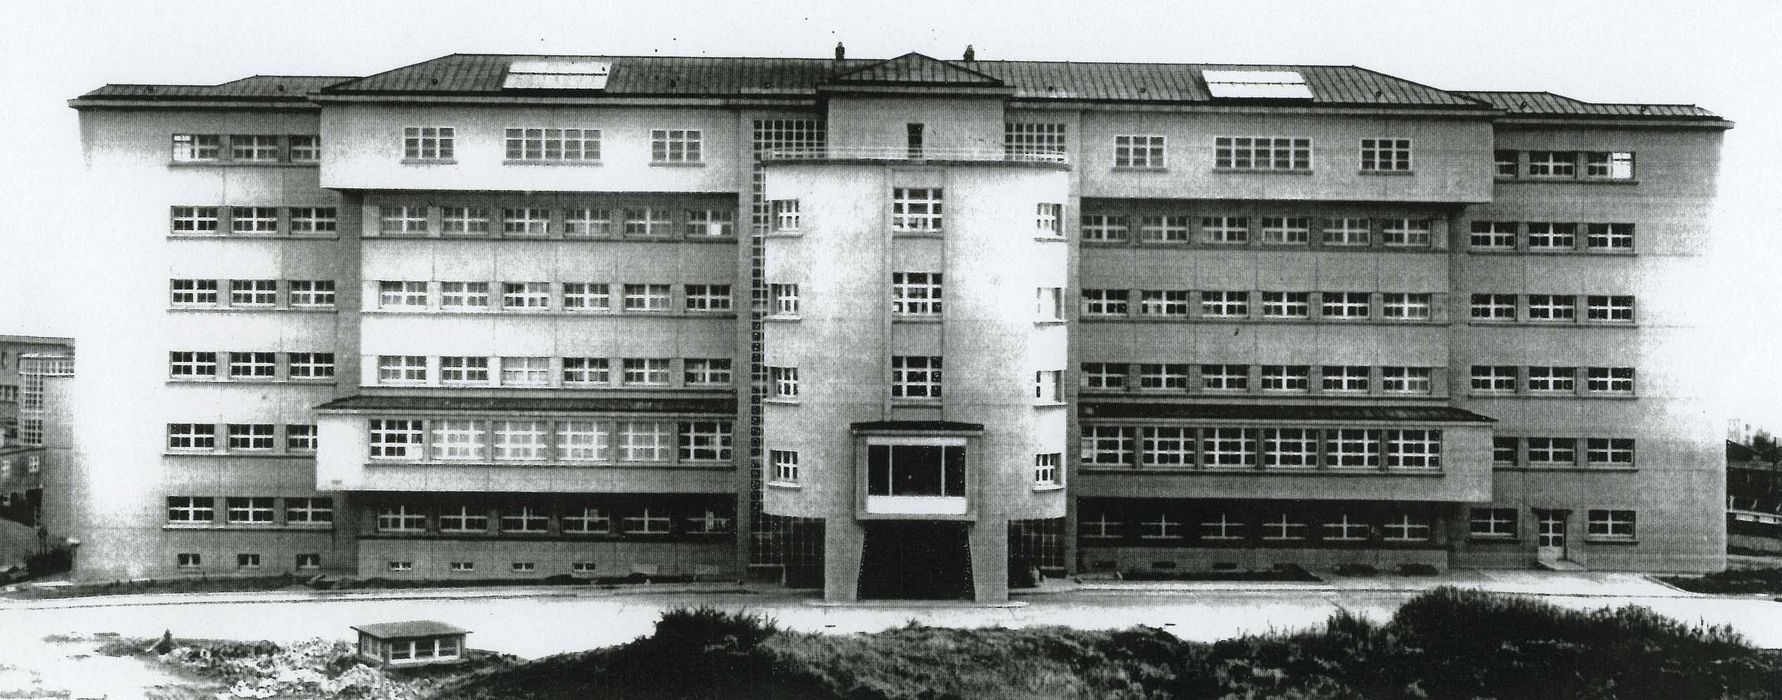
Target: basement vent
(563, 74)
(1265, 84)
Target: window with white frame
(525, 371)
(247, 561)
(1139, 151)
(1103, 375)
(1613, 165)
(1286, 230)
(1343, 305)
(1406, 527)
(197, 148)
(915, 376)
(463, 518)
(1104, 302)
(395, 438)
(1405, 307)
(1225, 304)
(1611, 380)
(1609, 524)
(707, 522)
(782, 300)
(1552, 235)
(714, 298)
(251, 220)
(1103, 228)
(402, 220)
(648, 297)
(1163, 377)
(524, 519)
(1166, 446)
(464, 369)
(1552, 307)
(783, 381)
(714, 371)
(253, 292)
(427, 142)
(648, 521)
(1225, 377)
(401, 295)
(1284, 527)
(1107, 445)
(255, 510)
(1047, 469)
(464, 296)
(1048, 386)
(464, 221)
(311, 294)
(645, 441)
(1386, 155)
(1405, 233)
(646, 223)
(401, 518)
(253, 365)
(526, 296)
(1414, 449)
(1343, 528)
(1048, 220)
(300, 437)
(1048, 304)
(309, 365)
(786, 214)
(1222, 527)
(1609, 452)
(253, 148)
(1161, 526)
(587, 222)
(1552, 450)
(1492, 522)
(308, 561)
(189, 560)
(1225, 229)
(1351, 448)
(191, 510)
(191, 436)
(520, 440)
(1026, 138)
(1100, 526)
(1168, 228)
(552, 145)
(676, 146)
(313, 220)
(1494, 307)
(1289, 448)
(916, 209)
(305, 148)
(1609, 309)
(1163, 302)
(309, 511)
(583, 441)
(401, 369)
(1348, 231)
(1261, 153)
(1609, 237)
(192, 365)
(587, 297)
(1506, 450)
(704, 441)
(785, 465)
(1496, 379)
(1406, 380)
(587, 520)
(460, 439)
(1552, 164)
(1493, 235)
(193, 292)
(1506, 163)
(1344, 378)
(916, 293)
(1552, 379)
(1286, 378)
(710, 223)
(1286, 304)
(644, 371)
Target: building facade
(14, 349)
(894, 327)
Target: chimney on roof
(841, 52)
(970, 53)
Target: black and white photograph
(669, 350)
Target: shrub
(1417, 569)
(54, 561)
(1355, 570)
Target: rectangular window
(250, 511)
(1609, 309)
(191, 436)
(250, 220)
(1552, 164)
(1162, 377)
(583, 441)
(300, 437)
(1228, 447)
(253, 365)
(916, 209)
(1104, 302)
(785, 465)
(1286, 378)
(1494, 307)
(197, 148)
(1609, 452)
(1289, 448)
(1104, 228)
(314, 220)
(1107, 445)
(311, 294)
(306, 148)
(460, 439)
(1286, 230)
(191, 510)
(784, 381)
(553, 145)
(1343, 528)
(309, 511)
(1613, 524)
(1552, 450)
(1163, 229)
(1166, 446)
(427, 142)
(708, 298)
(309, 561)
(783, 299)
(710, 223)
(1552, 308)
(646, 223)
(645, 441)
(707, 372)
(1144, 151)
(464, 221)
(520, 440)
(463, 518)
(676, 146)
(1615, 165)
(916, 293)
(1504, 450)
(1405, 307)
(464, 369)
(1235, 304)
(1405, 233)
(1407, 528)
(1048, 220)
(786, 215)
(587, 521)
(915, 377)
(587, 297)
(1406, 380)
(309, 365)
(1506, 163)
(192, 365)
(402, 220)
(1553, 379)
(1496, 379)
(253, 148)
(1028, 139)
(1046, 468)
(1551, 236)
(1163, 302)
(525, 371)
(1261, 153)
(1048, 304)
(1493, 235)
(1048, 386)
(1352, 448)
(189, 560)
(1612, 380)
(1286, 304)
(526, 296)
(1386, 155)
(1348, 231)
(1225, 377)
(193, 292)
(648, 297)
(1609, 237)
(253, 292)
(1347, 378)
(1414, 449)
(1225, 229)
(401, 295)
(524, 519)
(587, 222)
(1344, 305)
(645, 371)
(586, 371)
(401, 369)
(705, 441)
(649, 521)
(1104, 375)
(395, 438)
(464, 296)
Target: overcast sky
(1722, 56)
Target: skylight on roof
(1266, 84)
(557, 74)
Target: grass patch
(1731, 581)
(1448, 643)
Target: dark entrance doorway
(915, 561)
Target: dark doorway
(916, 561)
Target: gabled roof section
(484, 74)
(259, 88)
(1547, 104)
(916, 69)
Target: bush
(1355, 570)
(54, 561)
(1418, 569)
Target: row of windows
(545, 371)
(1268, 448)
(1237, 304)
(1359, 379)
(249, 510)
(1562, 451)
(783, 468)
(546, 441)
(206, 365)
(193, 561)
(256, 221)
(1552, 308)
(648, 518)
(1502, 523)
(240, 438)
(554, 145)
(246, 148)
(463, 221)
(256, 294)
(1262, 153)
(1564, 165)
(540, 297)
(1217, 526)
(1510, 379)
(913, 377)
(1551, 236)
(1241, 229)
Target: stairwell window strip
(916, 209)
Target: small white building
(413, 643)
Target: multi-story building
(13, 350)
(23, 457)
(894, 326)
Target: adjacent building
(893, 327)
